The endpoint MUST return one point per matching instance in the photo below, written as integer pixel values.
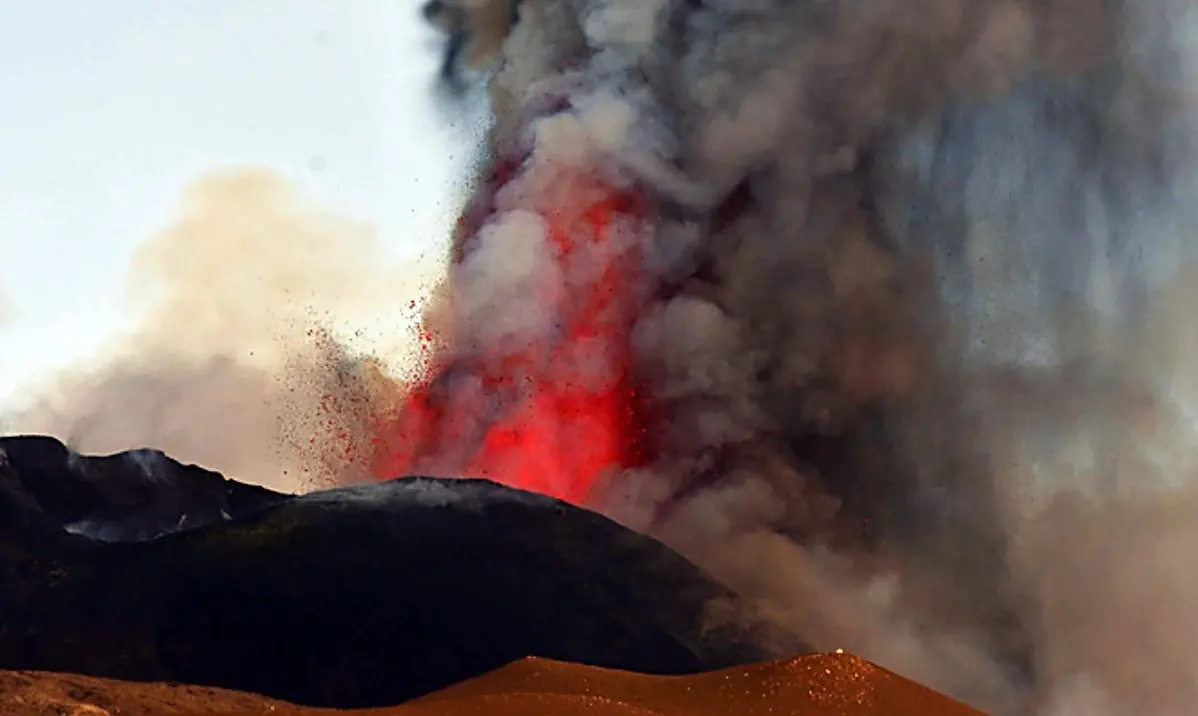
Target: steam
(267, 332)
(920, 267)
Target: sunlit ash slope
(353, 597)
(818, 685)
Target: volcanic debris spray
(788, 284)
(239, 357)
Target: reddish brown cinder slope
(820, 685)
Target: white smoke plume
(265, 335)
(920, 322)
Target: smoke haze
(266, 333)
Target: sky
(109, 109)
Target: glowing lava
(537, 419)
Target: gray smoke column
(918, 324)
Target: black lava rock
(130, 496)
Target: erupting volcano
(552, 417)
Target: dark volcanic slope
(130, 496)
(361, 596)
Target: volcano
(354, 597)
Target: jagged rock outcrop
(127, 497)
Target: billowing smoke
(265, 336)
(913, 317)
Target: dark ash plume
(916, 289)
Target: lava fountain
(557, 413)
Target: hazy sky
(108, 108)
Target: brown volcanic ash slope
(816, 685)
(43, 693)
(821, 685)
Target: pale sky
(109, 108)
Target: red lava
(540, 423)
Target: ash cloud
(919, 326)
(266, 335)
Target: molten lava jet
(538, 419)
